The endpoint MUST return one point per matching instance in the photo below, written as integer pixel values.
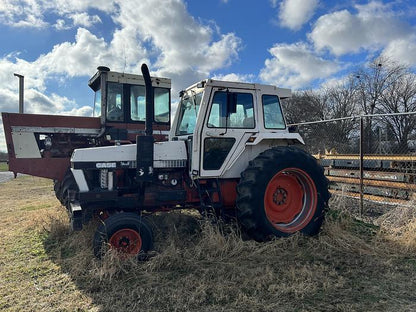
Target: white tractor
(229, 152)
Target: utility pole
(21, 91)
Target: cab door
(229, 123)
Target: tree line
(382, 87)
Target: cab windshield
(189, 107)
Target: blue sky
(301, 44)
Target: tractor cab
(222, 121)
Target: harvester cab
(119, 103)
(230, 153)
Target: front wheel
(283, 191)
(127, 233)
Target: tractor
(42, 145)
(230, 152)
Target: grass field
(350, 266)
(4, 166)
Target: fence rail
(390, 178)
(368, 157)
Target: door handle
(211, 134)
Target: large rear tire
(283, 191)
(127, 233)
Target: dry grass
(4, 166)
(198, 266)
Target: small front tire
(127, 233)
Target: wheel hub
(126, 241)
(290, 199)
(280, 196)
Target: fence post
(361, 165)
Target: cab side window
(138, 103)
(242, 118)
(114, 102)
(273, 117)
(162, 100)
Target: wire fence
(369, 158)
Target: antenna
(125, 59)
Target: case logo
(106, 165)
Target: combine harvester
(229, 152)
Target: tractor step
(210, 194)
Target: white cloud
(372, 27)
(78, 58)
(71, 6)
(70, 59)
(84, 20)
(78, 19)
(184, 49)
(235, 77)
(61, 25)
(162, 34)
(294, 13)
(30, 13)
(82, 111)
(402, 50)
(22, 13)
(178, 39)
(295, 66)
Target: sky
(299, 44)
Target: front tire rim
(126, 241)
(290, 200)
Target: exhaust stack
(144, 143)
(21, 91)
(149, 100)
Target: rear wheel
(282, 191)
(57, 188)
(127, 233)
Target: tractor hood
(170, 154)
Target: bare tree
(327, 103)
(303, 106)
(342, 103)
(372, 83)
(400, 97)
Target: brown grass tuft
(399, 226)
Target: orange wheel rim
(290, 200)
(126, 241)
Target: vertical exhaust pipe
(149, 100)
(144, 156)
(21, 91)
(103, 70)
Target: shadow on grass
(198, 266)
